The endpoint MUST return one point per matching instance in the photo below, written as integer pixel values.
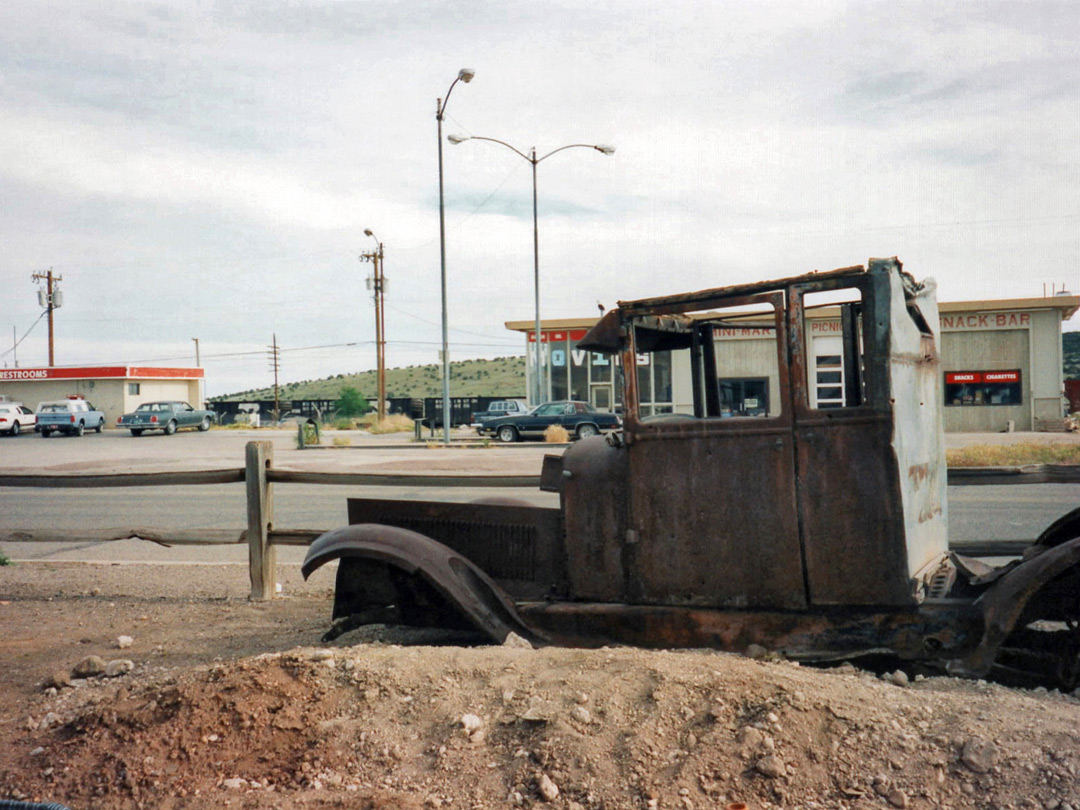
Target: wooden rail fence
(259, 475)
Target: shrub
(556, 434)
(394, 423)
(351, 403)
(343, 424)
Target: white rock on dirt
(121, 666)
(123, 642)
(471, 723)
(549, 791)
(979, 755)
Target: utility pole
(275, 366)
(51, 298)
(378, 284)
(202, 391)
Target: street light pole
(538, 387)
(464, 75)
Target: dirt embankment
(231, 703)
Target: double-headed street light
(538, 384)
(464, 75)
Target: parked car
(15, 418)
(580, 419)
(167, 417)
(72, 416)
(500, 407)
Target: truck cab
(814, 525)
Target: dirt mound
(386, 726)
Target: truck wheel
(136, 432)
(80, 429)
(204, 425)
(45, 433)
(585, 431)
(170, 428)
(507, 433)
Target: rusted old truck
(817, 530)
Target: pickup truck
(71, 416)
(501, 407)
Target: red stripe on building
(99, 373)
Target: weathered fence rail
(259, 475)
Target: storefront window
(560, 378)
(982, 388)
(748, 397)
(644, 378)
(600, 365)
(579, 375)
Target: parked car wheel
(507, 433)
(15, 429)
(585, 431)
(80, 429)
(136, 432)
(204, 425)
(170, 428)
(100, 425)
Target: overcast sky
(207, 170)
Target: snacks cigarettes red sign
(961, 377)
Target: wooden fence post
(259, 457)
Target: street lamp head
(457, 138)
(607, 149)
(367, 232)
(466, 74)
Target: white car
(15, 418)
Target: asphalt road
(975, 513)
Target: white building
(115, 390)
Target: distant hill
(1070, 342)
(501, 377)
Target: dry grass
(394, 423)
(556, 434)
(342, 441)
(1013, 455)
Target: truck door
(713, 517)
(850, 505)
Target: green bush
(351, 403)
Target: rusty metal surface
(595, 490)
(410, 572)
(704, 298)
(850, 510)
(518, 545)
(1006, 601)
(928, 633)
(701, 540)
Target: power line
(28, 331)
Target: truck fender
(1003, 604)
(425, 582)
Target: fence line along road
(259, 475)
